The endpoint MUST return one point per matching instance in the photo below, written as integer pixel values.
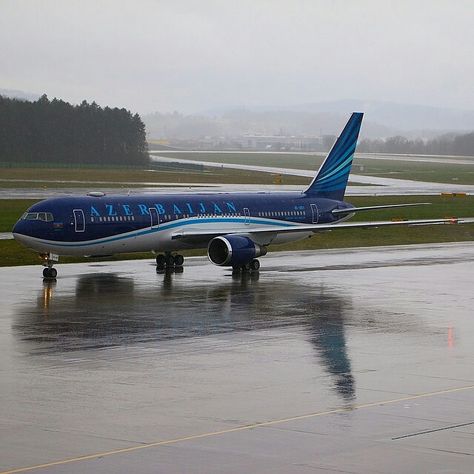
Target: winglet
(331, 179)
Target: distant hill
(244, 122)
(399, 118)
(382, 119)
(404, 117)
(15, 94)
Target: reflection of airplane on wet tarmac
(107, 310)
(236, 228)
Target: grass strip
(126, 178)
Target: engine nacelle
(230, 250)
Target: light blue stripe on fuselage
(171, 225)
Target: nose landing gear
(49, 259)
(50, 273)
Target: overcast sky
(198, 55)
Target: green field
(387, 168)
(14, 254)
(283, 160)
(417, 171)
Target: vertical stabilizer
(331, 179)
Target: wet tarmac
(396, 188)
(345, 360)
(445, 159)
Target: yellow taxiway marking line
(233, 430)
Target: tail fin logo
(332, 177)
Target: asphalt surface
(353, 361)
(445, 159)
(396, 187)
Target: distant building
(252, 143)
(279, 142)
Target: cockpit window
(38, 216)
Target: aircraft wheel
(236, 269)
(160, 260)
(178, 260)
(169, 261)
(50, 272)
(255, 265)
(246, 267)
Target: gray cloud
(199, 55)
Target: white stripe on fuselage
(158, 238)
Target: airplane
(235, 227)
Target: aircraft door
(79, 220)
(154, 217)
(314, 214)
(247, 216)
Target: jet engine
(233, 250)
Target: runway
(353, 361)
(445, 159)
(395, 187)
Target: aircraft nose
(20, 231)
(17, 228)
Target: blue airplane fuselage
(106, 224)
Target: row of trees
(58, 132)
(444, 145)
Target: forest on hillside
(55, 131)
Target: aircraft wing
(350, 210)
(295, 228)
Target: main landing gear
(168, 261)
(49, 259)
(252, 266)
